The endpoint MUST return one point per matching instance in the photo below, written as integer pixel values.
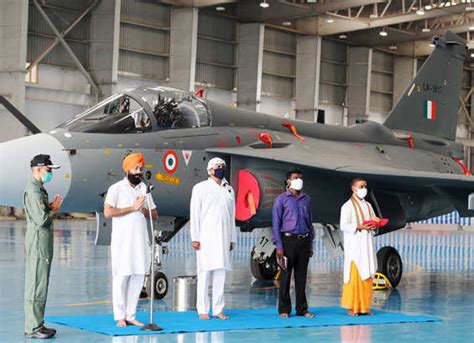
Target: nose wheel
(160, 287)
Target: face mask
(47, 178)
(361, 193)
(219, 173)
(296, 184)
(134, 179)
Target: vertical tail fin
(429, 105)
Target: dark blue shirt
(292, 214)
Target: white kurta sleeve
(195, 216)
(371, 210)
(112, 196)
(233, 231)
(346, 222)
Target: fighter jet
(411, 161)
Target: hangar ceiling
(409, 24)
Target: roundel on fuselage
(170, 161)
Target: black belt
(289, 234)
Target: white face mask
(296, 184)
(361, 193)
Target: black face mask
(219, 173)
(134, 179)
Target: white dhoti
(218, 301)
(125, 295)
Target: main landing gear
(263, 264)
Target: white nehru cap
(215, 161)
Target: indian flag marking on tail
(430, 110)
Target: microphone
(149, 186)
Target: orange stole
(357, 294)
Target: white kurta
(130, 248)
(358, 245)
(213, 224)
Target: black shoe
(53, 331)
(40, 334)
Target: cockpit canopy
(140, 110)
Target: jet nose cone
(15, 171)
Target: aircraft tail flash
(430, 103)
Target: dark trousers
(297, 251)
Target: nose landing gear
(263, 264)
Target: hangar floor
(438, 280)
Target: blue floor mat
(241, 319)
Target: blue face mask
(219, 173)
(47, 178)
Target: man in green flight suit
(38, 245)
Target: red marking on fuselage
(293, 130)
(466, 171)
(272, 191)
(200, 92)
(267, 139)
(248, 196)
(221, 143)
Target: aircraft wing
(306, 157)
(346, 161)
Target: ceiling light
(432, 45)
(286, 23)
(264, 4)
(472, 54)
(471, 28)
(329, 20)
(428, 7)
(393, 47)
(469, 7)
(420, 10)
(220, 8)
(342, 36)
(383, 33)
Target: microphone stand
(151, 326)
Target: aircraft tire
(161, 285)
(264, 269)
(390, 264)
